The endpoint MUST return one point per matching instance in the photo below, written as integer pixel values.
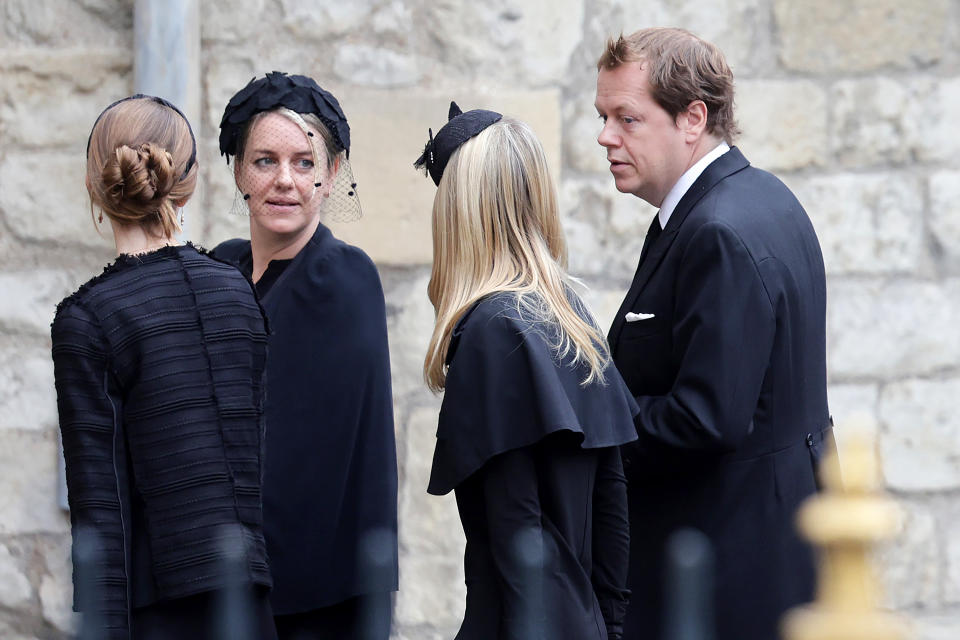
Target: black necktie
(652, 234)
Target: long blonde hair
(496, 228)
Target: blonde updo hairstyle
(137, 165)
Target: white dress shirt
(686, 181)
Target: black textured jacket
(159, 366)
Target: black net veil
(290, 144)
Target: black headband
(138, 96)
(300, 94)
(460, 127)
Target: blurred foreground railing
(234, 604)
(689, 614)
(845, 522)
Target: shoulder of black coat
(230, 250)
(345, 264)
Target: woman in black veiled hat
(533, 413)
(330, 477)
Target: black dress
(330, 487)
(159, 368)
(532, 455)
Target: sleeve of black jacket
(723, 332)
(611, 541)
(512, 505)
(88, 427)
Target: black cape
(505, 390)
(330, 477)
(532, 452)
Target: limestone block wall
(853, 103)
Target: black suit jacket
(730, 378)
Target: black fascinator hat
(333, 181)
(460, 127)
(277, 89)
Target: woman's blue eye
(305, 164)
(262, 162)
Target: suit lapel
(727, 164)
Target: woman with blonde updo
(159, 367)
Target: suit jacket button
(809, 439)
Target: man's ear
(693, 121)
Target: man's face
(645, 148)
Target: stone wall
(852, 102)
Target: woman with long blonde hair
(532, 414)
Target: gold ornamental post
(845, 522)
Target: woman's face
(278, 173)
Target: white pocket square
(637, 317)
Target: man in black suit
(721, 338)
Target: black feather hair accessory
(460, 127)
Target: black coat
(330, 482)
(159, 368)
(532, 455)
(730, 377)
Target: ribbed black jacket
(159, 366)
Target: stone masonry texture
(853, 103)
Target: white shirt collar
(686, 181)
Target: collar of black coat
(726, 165)
(506, 389)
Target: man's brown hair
(682, 68)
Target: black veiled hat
(277, 89)
(460, 127)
